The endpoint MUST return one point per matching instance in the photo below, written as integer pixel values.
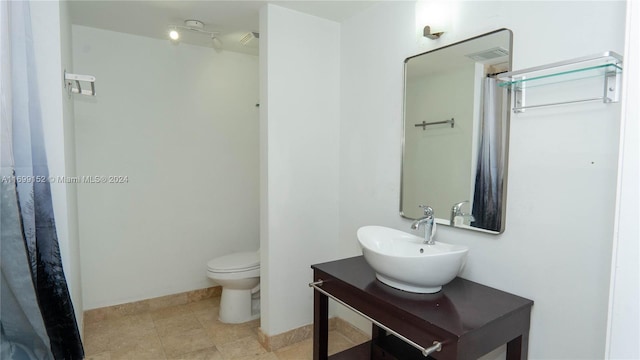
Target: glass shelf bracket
(607, 65)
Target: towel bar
(424, 124)
(437, 346)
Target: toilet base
(238, 306)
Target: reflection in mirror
(456, 133)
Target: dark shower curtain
(487, 197)
(37, 317)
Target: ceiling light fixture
(193, 26)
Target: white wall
(300, 92)
(556, 249)
(52, 46)
(181, 123)
(624, 314)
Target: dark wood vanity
(467, 318)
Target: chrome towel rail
(522, 108)
(424, 124)
(437, 346)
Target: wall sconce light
(439, 17)
(174, 35)
(428, 34)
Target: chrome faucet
(427, 222)
(456, 210)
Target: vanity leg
(518, 348)
(377, 332)
(320, 326)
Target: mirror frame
(506, 122)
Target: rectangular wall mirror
(456, 128)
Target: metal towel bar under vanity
(463, 321)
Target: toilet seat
(237, 262)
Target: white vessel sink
(403, 261)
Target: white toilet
(239, 276)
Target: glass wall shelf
(606, 66)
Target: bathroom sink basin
(403, 261)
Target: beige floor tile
(130, 325)
(96, 327)
(304, 349)
(216, 322)
(300, 351)
(120, 322)
(209, 322)
(96, 341)
(177, 310)
(100, 356)
(254, 324)
(138, 353)
(241, 348)
(177, 324)
(204, 354)
(352, 333)
(338, 342)
(206, 304)
(225, 333)
(131, 338)
(265, 356)
(139, 348)
(177, 344)
(191, 332)
(207, 317)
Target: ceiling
(233, 19)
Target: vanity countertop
(470, 319)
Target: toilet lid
(235, 262)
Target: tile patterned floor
(190, 331)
